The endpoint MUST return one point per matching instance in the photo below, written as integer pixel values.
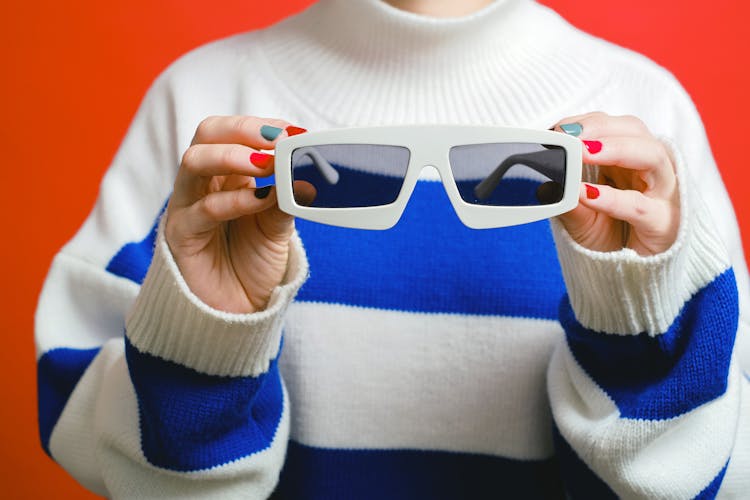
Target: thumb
(576, 221)
(275, 224)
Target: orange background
(74, 73)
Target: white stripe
(97, 439)
(367, 378)
(736, 482)
(73, 289)
(674, 458)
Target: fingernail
(573, 129)
(292, 130)
(593, 146)
(261, 193)
(270, 133)
(261, 160)
(592, 193)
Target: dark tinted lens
(509, 174)
(351, 175)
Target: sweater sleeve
(142, 388)
(647, 389)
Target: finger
(276, 224)
(304, 193)
(202, 162)
(252, 131)
(644, 154)
(647, 215)
(233, 182)
(598, 124)
(221, 206)
(578, 219)
(208, 160)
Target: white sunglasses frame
(428, 145)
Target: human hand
(229, 239)
(635, 202)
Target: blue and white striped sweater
(491, 284)
(426, 361)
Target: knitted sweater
(426, 361)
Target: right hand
(230, 245)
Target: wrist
(169, 321)
(626, 293)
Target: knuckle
(190, 159)
(639, 211)
(237, 201)
(615, 150)
(638, 204)
(205, 126)
(226, 156)
(242, 125)
(595, 122)
(210, 207)
(636, 123)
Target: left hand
(635, 202)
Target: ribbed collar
(358, 62)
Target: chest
(430, 262)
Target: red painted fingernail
(292, 130)
(593, 146)
(592, 193)
(261, 160)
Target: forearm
(645, 389)
(128, 422)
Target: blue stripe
(579, 480)
(664, 376)
(710, 491)
(317, 473)
(192, 421)
(133, 259)
(58, 372)
(431, 262)
(357, 188)
(354, 188)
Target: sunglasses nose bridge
(428, 171)
(430, 163)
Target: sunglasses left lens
(351, 175)
(509, 174)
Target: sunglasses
(363, 177)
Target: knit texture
(426, 361)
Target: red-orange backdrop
(74, 75)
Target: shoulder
(624, 81)
(224, 77)
(214, 60)
(624, 66)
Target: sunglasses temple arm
(550, 163)
(329, 173)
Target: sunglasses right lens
(509, 174)
(351, 175)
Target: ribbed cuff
(625, 293)
(169, 321)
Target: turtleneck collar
(359, 26)
(361, 62)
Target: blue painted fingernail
(270, 133)
(573, 129)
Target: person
(196, 342)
